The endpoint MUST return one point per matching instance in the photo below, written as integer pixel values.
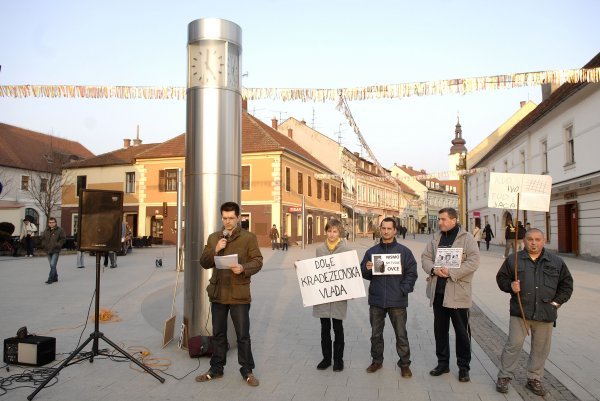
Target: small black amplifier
(31, 350)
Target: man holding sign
(449, 290)
(229, 291)
(388, 295)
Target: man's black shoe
(463, 376)
(439, 370)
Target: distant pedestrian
(332, 312)
(540, 305)
(80, 260)
(27, 233)
(488, 234)
(274, 235)
(284, 241)
(477, 235)
(510, 233)
(527, 226)
(520, 235)
(404, 230)
(52, 242)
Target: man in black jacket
(544, 283)
(388, 294)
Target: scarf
(332, 246)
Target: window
(74, 223)
(288, 174)
(81, 183)
(319, 186)
(35, 216)
(333, 194)
(522, 160)
(309, 183)
(339, 195)
(245, 178)
(569, 145)
(300, 183)
(326, 190)
(299, 225)
(167, 180)
(505, 166)
(43, 185)
(544, 153)
(130, 182)
(24, 183)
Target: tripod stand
(95, 336)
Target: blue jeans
(53, 260)
(398, 319)
(240, 315)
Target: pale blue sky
(307, 43)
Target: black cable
(34, 377)
(164, 372)
(87, 317)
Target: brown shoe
(502, 384)
(252, 380)
(405, 372)
(536, 387)
(374, 367)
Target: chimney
(303, 122)
(410, 167)
(274, 123)
(404, 166)
(126, 143)
(522, 103)
(137, 141)
(547, 90)
(423, 171)
(290, 133)
(245, 104)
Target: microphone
(226, 235)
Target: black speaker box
(100, 220)
(31, 350)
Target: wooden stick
(517, 265)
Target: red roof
(25, 149)
(116, 157)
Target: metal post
(213, 151)
(178, 262)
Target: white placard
(386, 263)
(534, 191)
(330, 278)
(448, 257)
(225, 262)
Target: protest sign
(330, 278)
(534, 191)
(448, 257)
(386, 263)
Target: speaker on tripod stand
(100, 218)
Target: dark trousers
(29, 245)
(487, 245)
(398, 319)
(441, 328)
(338, 344)
(240, 315)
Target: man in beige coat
(449, 291)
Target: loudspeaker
(100, 220)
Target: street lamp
(461, 168)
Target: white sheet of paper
(225, 262)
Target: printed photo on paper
(388, 263)
(448, 257)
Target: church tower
(458, 147)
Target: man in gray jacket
(449, 291)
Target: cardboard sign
(534, 191)
(330, 278)
(448, 257)
(389, 263)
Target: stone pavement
(285, 337)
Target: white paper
(386, 263)
(448, 257)
(225, 262)
(330, 278)
(533, 190)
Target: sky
(298, 44)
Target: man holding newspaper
(450, 261)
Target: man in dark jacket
(52, 242)
(544, 283)
(229, 291)
(388, 294)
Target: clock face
(206, 63)
(233, 67)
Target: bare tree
(5, 181)
(45, 187)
